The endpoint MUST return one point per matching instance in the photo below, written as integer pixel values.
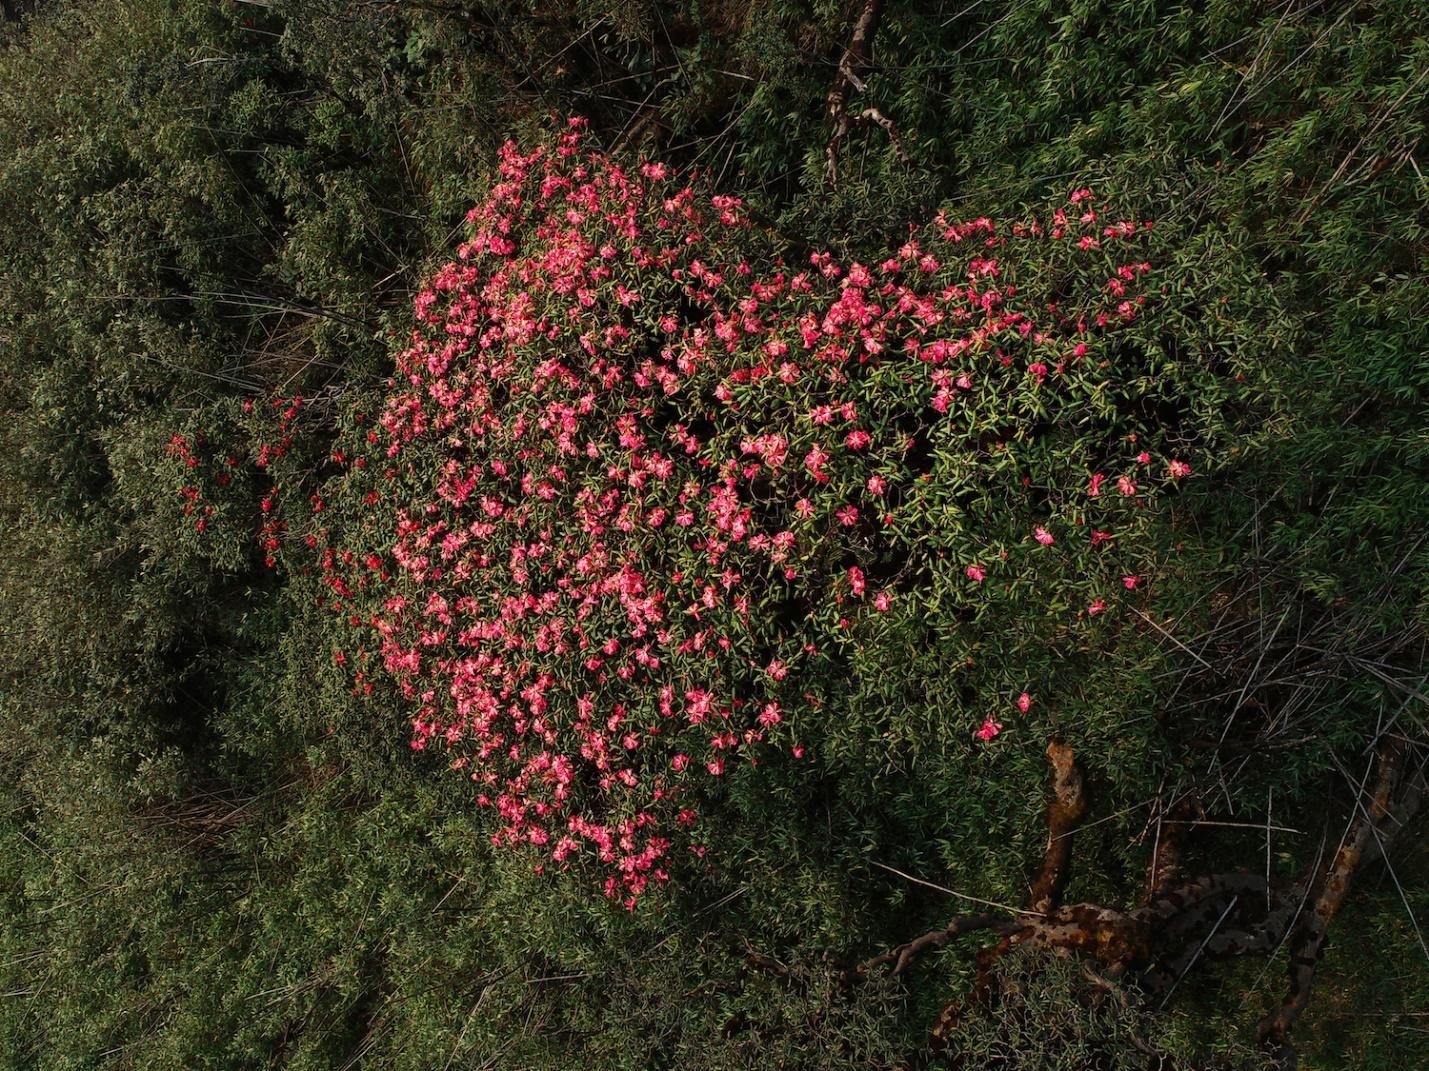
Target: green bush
(641, 497)
(216, 855)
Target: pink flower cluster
(636, 479)
(200, 466)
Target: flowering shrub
(228, 481)
(640, 488)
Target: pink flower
(975, 573)
(1131, 582)
(1126, 485)
(679, 762)
(1179, 469)
(877, 485)
(990, 728)
(1043, 536)
(1096, 607)
(847, 515)
(1094, 488)
(715, 766)
(1024, 702)
(777, 669)
(856, 580)
(881, 601)
(804, 508)
(857, 439)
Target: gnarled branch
(1179, 922)
(856, 60)
(1361, 839)
(1064, 811)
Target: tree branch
(1064, 811)
(856, 59)
(1360, 839)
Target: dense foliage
(812, 526)
(635, 506)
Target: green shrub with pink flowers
(649, 498)
(597, 630)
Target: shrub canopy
(646, 492)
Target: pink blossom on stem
(990, 727)
(856, 580)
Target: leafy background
(214, 857)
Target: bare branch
(1275, 1028)
(1064, 811)
(856, 59)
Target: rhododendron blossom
(638, 486)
